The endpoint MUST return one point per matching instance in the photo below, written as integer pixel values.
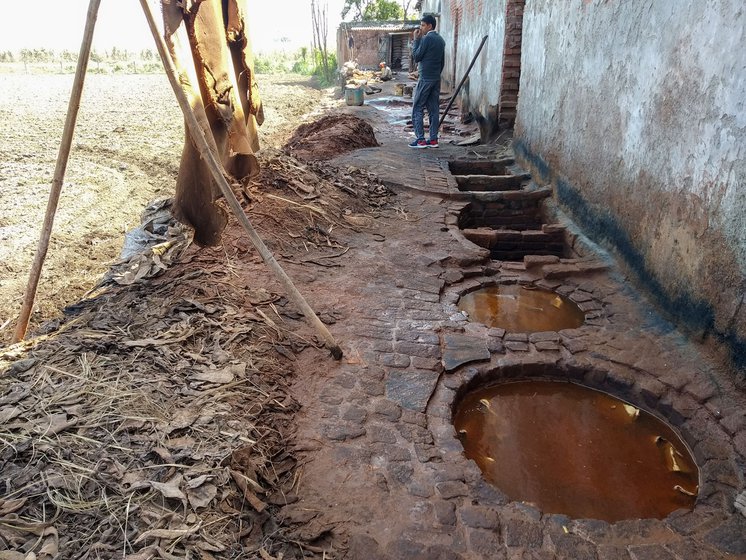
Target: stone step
(490, 182)
(480, 167)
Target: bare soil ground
(125, 153)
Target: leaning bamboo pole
(216, 170)
(59, 173)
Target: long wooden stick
(216, 170)
(461, 83)
(59, 173)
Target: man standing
(428, 50)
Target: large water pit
(576, 451)
(519, 308)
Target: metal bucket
(354, 95)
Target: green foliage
(383, 10)
(299, 62)
(301, 66)
(376, 10)
(278, 62)
(325, 80)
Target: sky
(59, 24)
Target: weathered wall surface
(636, 111)
(372, 44)
(367, 49)
(462, 24)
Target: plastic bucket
(354, 95)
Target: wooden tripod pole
(461, 83)
(59, 173)
(216, 170)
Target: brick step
(516, 240)
(490, 182)
(480, 167)
(518, 255)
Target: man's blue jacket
(429, 52)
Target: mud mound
(330, 136)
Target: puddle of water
(576, 451)
(519, 309)
(390, 101)
(397, 110)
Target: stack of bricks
(511, 71)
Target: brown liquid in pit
(575, 451)
(519, 309)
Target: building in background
(371, 42)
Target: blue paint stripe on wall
(602, 227)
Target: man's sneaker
(432, 143)
(419, 144)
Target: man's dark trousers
(426, 96)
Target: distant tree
(320, 23)
(405, 5)
(382, 10)
(42, 55)
(96, 57)
(357, 7)
(26, 57)
(69, 56)
(374, 10)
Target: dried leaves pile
(303, 205)
(155, 423)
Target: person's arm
(419, 48)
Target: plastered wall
(636, 112)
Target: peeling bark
(213, 56)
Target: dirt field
(125, 153)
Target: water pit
(576, 451)
(523, 309)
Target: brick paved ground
(383, 469)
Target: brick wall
(511, 67)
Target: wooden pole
(216, 170)
(461, 83)
(59, 173)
